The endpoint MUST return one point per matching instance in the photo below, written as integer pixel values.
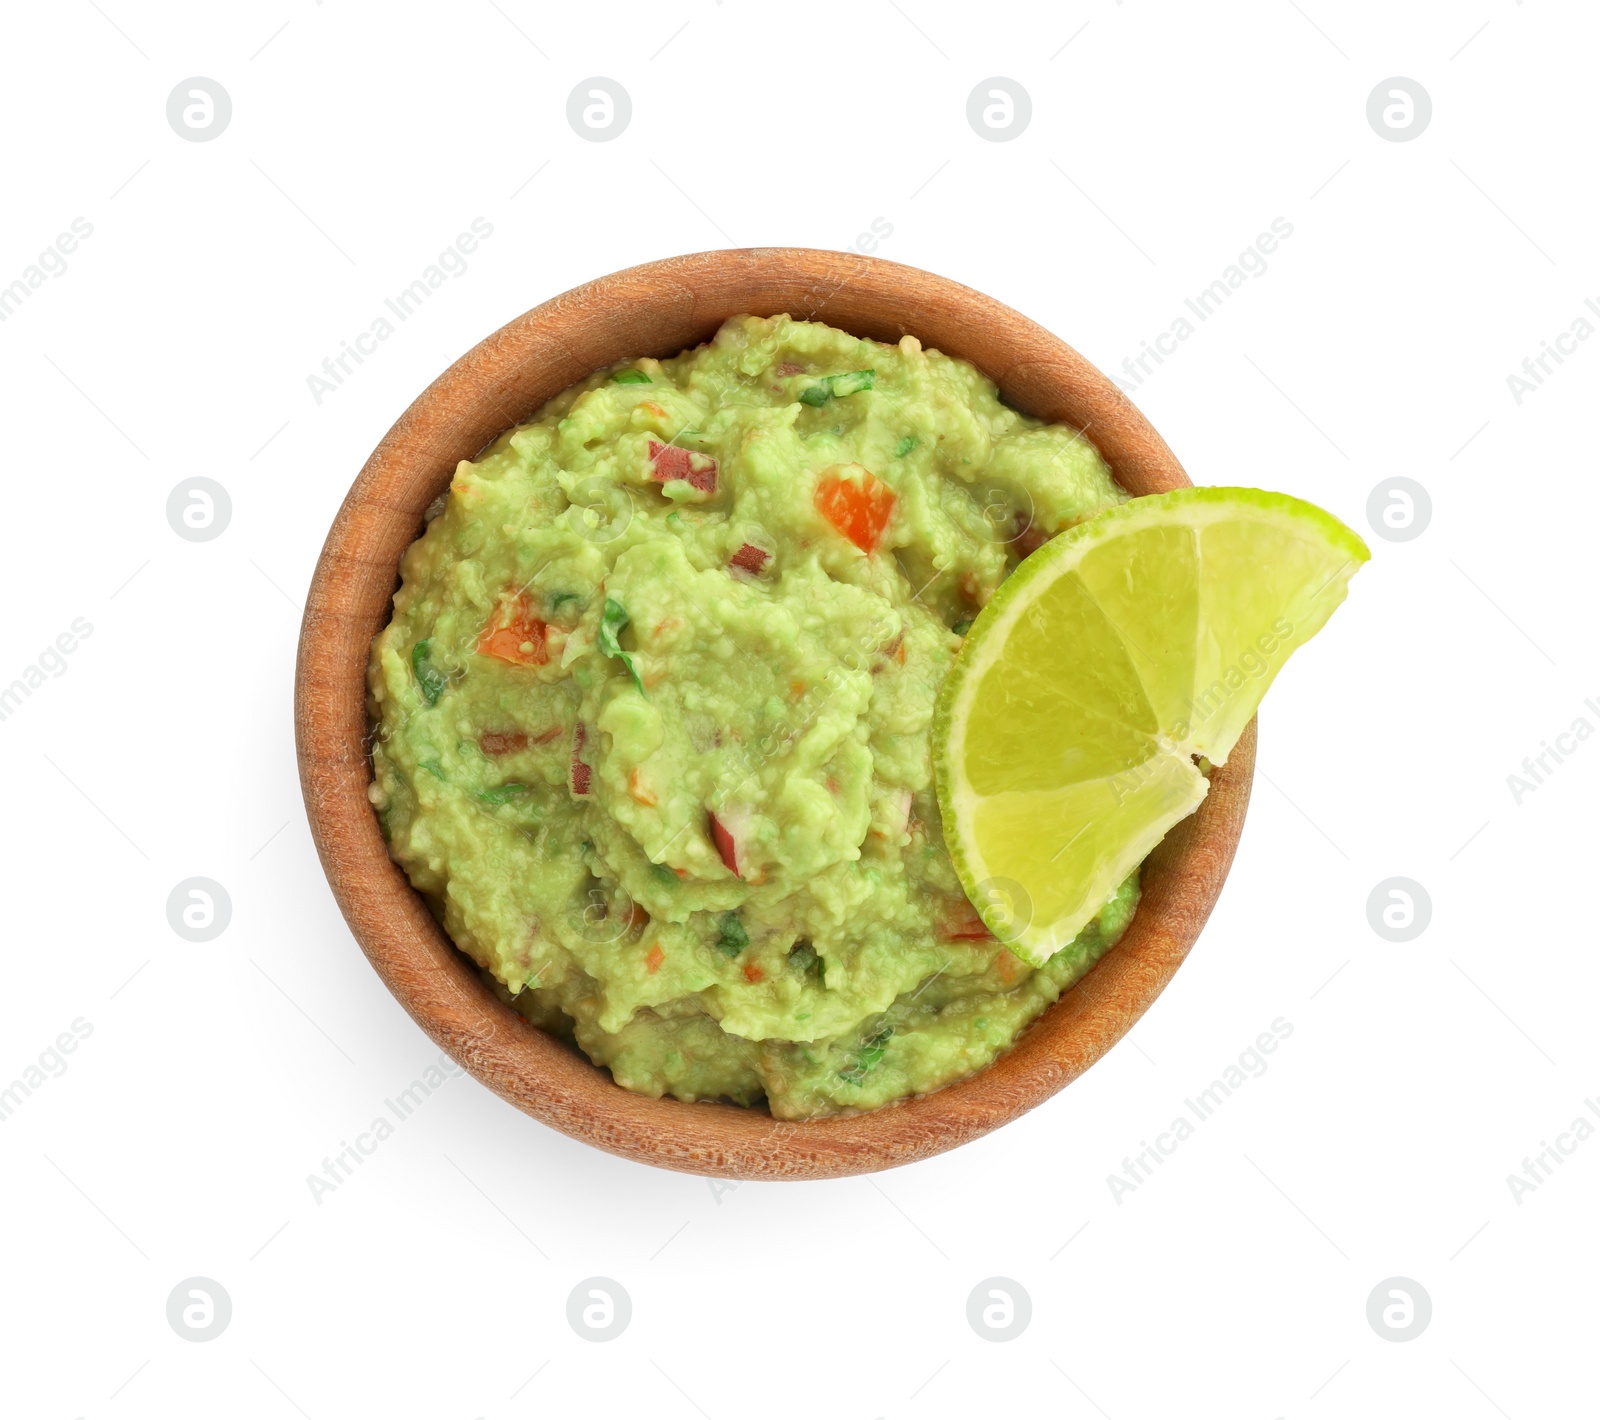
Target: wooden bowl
(659, 309)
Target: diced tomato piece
(790, 368)
(671, 462)
(639, 787)
(515, 636)
(967, 926)
(750, 558)
(1031, 539)
(752, 972)
(545, 736)
(580, 770)
(859, 506)
(502, 741)
(653, 959)
(727, 849)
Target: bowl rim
(502, 381)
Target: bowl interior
(660, 309)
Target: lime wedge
(1121, 653)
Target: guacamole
(651, 718)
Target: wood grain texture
(660, 309)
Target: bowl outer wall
(660, 309)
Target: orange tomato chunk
(858, 505)
(515, 636)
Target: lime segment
(1107, 665)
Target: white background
(1164, 138)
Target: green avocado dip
(652, 717)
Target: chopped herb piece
(837, 387)
(870, 1054)
(803, 957)
(501, 793)
(732, 938)
(432, 767)
(663, 873)
(963, 626)
(905, 446)
(853, 383)
(430, 679)
(631, 377)
(614, 621)
(559, 599)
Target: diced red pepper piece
(727, 849)
(752, 972)
(502, 741)
(750, 558)
(859, 506)
(516, 636)
(580, 770)
(672, 462)
(653, 959)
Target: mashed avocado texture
(652, 714)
